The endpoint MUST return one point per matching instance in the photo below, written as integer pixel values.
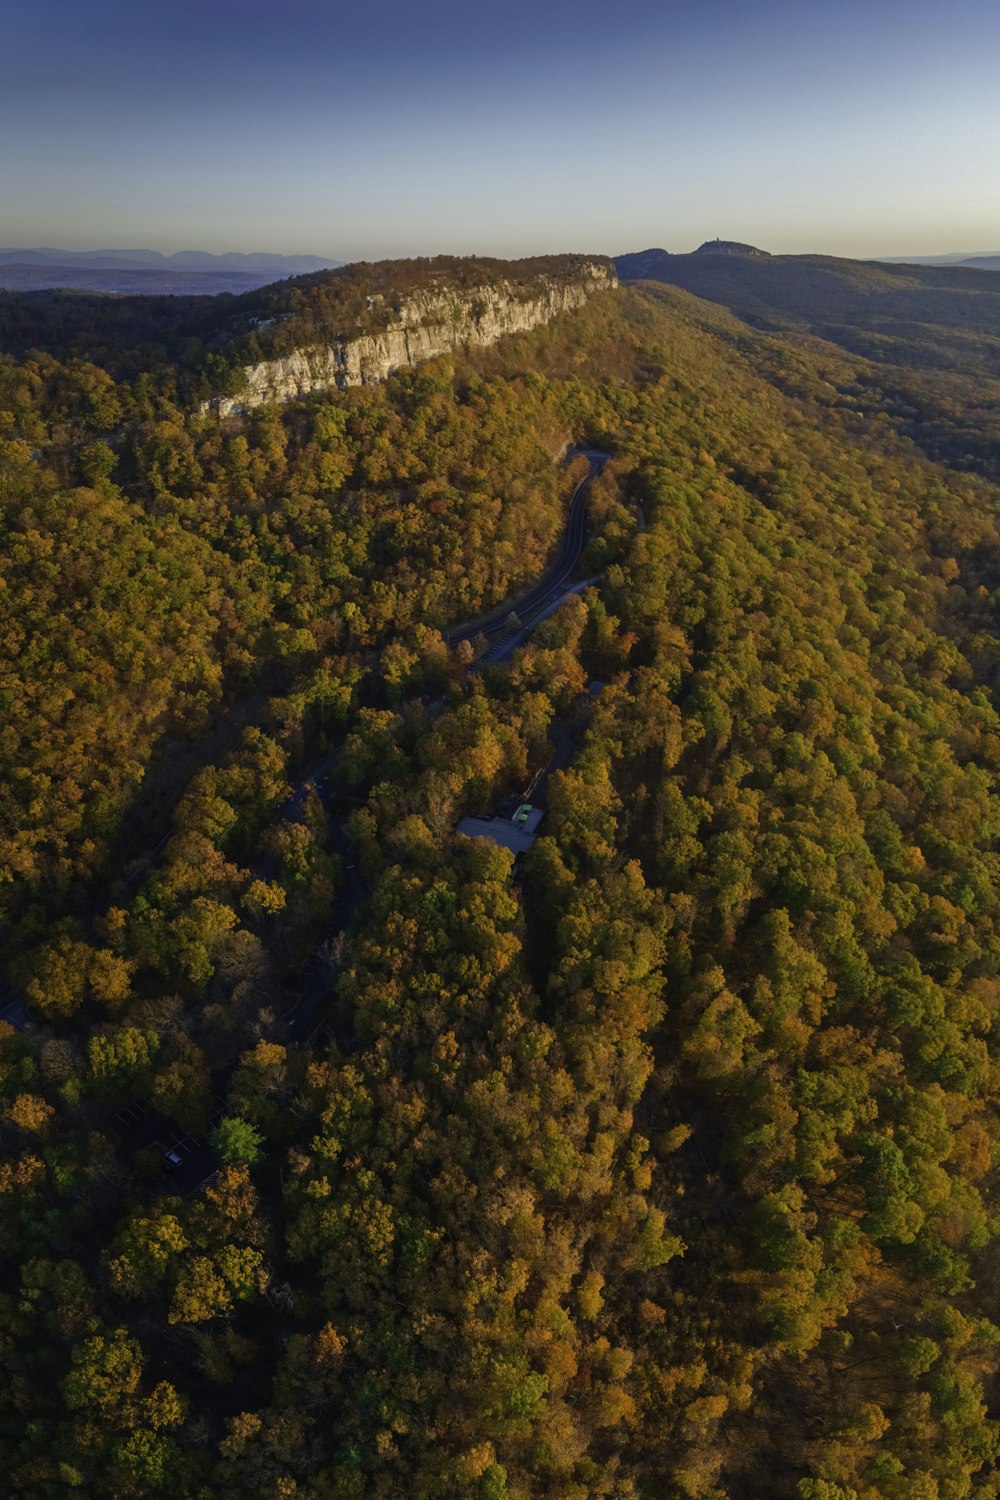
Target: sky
(851, 127)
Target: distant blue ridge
(254, 263)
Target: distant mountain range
(149, 271)
(181, 260)
(944, 317)
(982, 261)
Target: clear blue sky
(856, 127)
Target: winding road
(554, 583)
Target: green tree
(236, 1142)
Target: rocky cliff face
(432, 322)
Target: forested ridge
(929, 335)
(664, 1169)
(200, 344)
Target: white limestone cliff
(433, 322)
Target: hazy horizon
(902, 256)
(837, 131)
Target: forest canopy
(663, 1165)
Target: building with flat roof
(516, 833)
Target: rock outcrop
(431, 322)
(731, 247)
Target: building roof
(500, 831)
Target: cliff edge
(429, 319)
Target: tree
(30, 1112)
(106, 1371)
(236, 1142)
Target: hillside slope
(932, 315)
(662, 1167)
(930, 336)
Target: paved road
(551, 588)
(508, 644)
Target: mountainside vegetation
(198, 345)
(929, 335)
(663, 1168)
